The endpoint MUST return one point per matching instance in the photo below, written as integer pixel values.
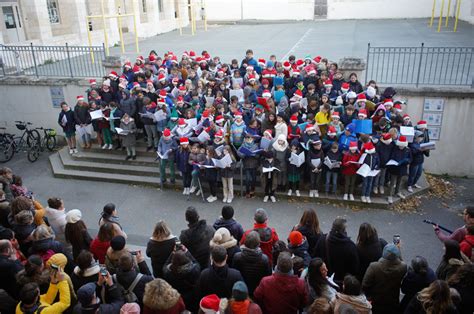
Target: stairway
(96, 164)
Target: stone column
(36, 20)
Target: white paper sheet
(96, 114)
(392, 162)
(297, 160)
(266, 170)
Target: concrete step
(141, 151)
(111, 158)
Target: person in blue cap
(347, 137)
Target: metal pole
(440, 16)
(432, 13)
(458, 2)
(89, 37)
(69, 60)
(419, 64)
(119, 18)
(106, 39)
(34, 59)
(135, 26)
(447, 13)
(367, 64)
(205, 15)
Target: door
(13, 25)
(320, 8)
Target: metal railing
(421, 65)
(52, 61)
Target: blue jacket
(403, 156)
(417, 155)
(385, 152)
(345, 140)
(166, 145)
(182, 158)
(372, 160)
(161, 125)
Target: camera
(396, 239)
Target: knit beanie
(391, 252)
(117, 243)
(130, 308)
(240, 291)
(73, 216)
(295, 238)
(57, 259)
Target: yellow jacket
(46, 300)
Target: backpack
(128, 294)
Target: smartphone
(134, 252)
(178, 246)
(54, 267)
(396, 239)
(103, 271)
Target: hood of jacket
(359, 302)
(160, 296)
(337, 238)
(278, 147)
(43, 245)
(251, 255)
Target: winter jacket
(416, 307)
(218, 280)
(417, 155)
(159, 252)
(310, 236)
(126, 278)
(167, 145)
(130, 139)
(358, 302)
(166, 304)
(8, 271)
(349, 168)
(343, 258)
(80, 278)
(81, 114)
(447, 268)
(237, 133)
(334, 157)
(184, 279)
(249, 162)
(371, 252)
(281, 293)
(46, 301)
(381, 284)
(57, 221)
(467, 301)
(414, 283)
(384, 152)
(347, 119)
(42, 246)
(268, 237)
(232, 225)
(113, 305)
(196, 239)
(253, 265)
(246, 306)
(182, 160)
(301, 251)
(281, 128)
(99, 249)
(372, 160)
(127, 104)
(467, 245)
(70, 125)
(345, 140)
(403, 157)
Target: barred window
(160, 6)
(144, 6)
(53, 11)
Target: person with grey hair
(338, 251)
(282, 292)
(382, 281)
(268, 236)
(9, 267)
(251, 262)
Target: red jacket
(349, 169)
(268, 237)
(466, 247)
(293, 132)
(99, 249)
(281, 293)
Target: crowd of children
(294, 123)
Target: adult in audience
(317, 281)
(101, 243)
(240, 301)
(88, 302)
(56, 214)
(34, 272)
(161, 244)
(6, 177)
(76, 232)
(9, 267)
(451, 261)
(161, 298)
(109, 215)
(463, 281)
(351, 294)
(87, 270)
(309, 227)
(458, 234)
(223, 237)
(227, 221)
(369, 247)
(418, 277)
(434, 299)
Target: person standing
(129, 140)
(460, 233)
(67, 121)
(83, 121)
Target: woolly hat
(294, 118)
(73, 216)
(339, 100)
(345, 87)
(361, 97)
(209, 304)
(86, 293)
(249, 68)
(363, 112)
(136, 69)
(351, 95)
(298, 94)
(371, 92)
(179, 100)
(167, 134)
(402, 141)
(130, 308)
(295, 72)
(353, 144)
(350, 127)
(332, 131)
(183, 141)
(391, 252)
(117, 243)
(266, 93)
(240, 292)
(221, 236)
(309, 126)
(398, 107)
(295, 238)
(335, 114)
(422, 124)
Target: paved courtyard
(140, 208)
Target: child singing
(269, 176)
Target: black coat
(125, 279)
(196, 239)
(70, 120)
(232, 225)
(218, 280)
(417, 155)
(82, 115)
(467, 301)
(369, 253)
(310, 236)
(403, 157)
(159, 251)
(343, 258)
(253, 266)
(414, 283)
(8, 271)
(385, 152)
(301, 251)
(185, 280)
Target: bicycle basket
(51, 132)
(20, 126)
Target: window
(144, 6)
(9, 17)
(53, 11)
(160, 6)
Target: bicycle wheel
(51, 143)
(33, 135)
(33, 152)
(6, 151)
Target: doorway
(13, 24)
(320, 9)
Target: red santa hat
(317, 59)
(388, 102)
(332, 131)
(294, 118)
(353, 145)
(184, 141)
(363, 112)
(251, 78)
(205, 114)
(287, 65)
(140, 58)
(163, 69)
(268, 132)
(266, 93)
(136, 85)
(402, 141)
(406, 117)
(180, 100)
(122, 78)
(309, 127)
(136, 69)
(221, 70)
(361, 97)
(185, 54)
(149, 82)
(192, 54)
(328, 83)
(174, 59)
(167, 133)
(261, 62)
(161, 77)
(220, 119)
(161, 101)
(386, 138)
(175, 80)
(182, 88)
(92, 82)
(79, 98)
(422, 124)
(219, 134)
(299, 63)
(298, 94)
(181, 121)
(310, 70)
(127, 65)
(249, 68)
(265, 82)
(345, 87)
(207, 56)
(295, 72)
(123, 85)
(398, 107)
(113, 74)
(335, 115)
(163, 93)
(369, 147)
(238, 114)
(151, 58)
(210, 304)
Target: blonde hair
(161, 230)
(42, 232)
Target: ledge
(435, 91)
(42, 81)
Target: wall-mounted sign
(57, 96)
(433, 109)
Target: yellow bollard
(440, 16)
(432, 13)
(447, 13)
(457, 15)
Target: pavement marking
(297, 44)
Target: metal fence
(421, 65)
(52, 61)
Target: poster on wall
(433, 118)
(433, 109)
(57, 96)
(434, 104)
(434, 133)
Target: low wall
(30, 99)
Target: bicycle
(48, 140)
(28, 142)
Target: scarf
(240, 307)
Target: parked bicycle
(48, 140)
(28, 141)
